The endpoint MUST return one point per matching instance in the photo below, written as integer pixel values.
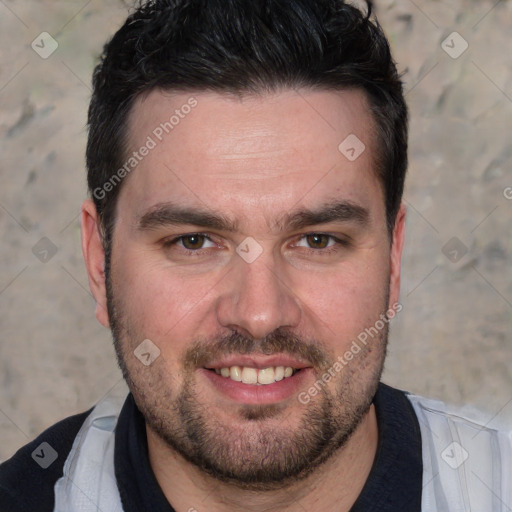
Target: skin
(254, 160)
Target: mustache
(200, 353)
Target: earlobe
(397, 246)
(94, 257)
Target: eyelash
(189, 252)
(198, 252)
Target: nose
(257, 299)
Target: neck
(334, 486)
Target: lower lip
(258, 394)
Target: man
(246, 163)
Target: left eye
(316, 241)
(194, 241)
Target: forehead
(249, 155)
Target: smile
(258, 376)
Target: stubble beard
(259, 453)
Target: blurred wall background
(452, 339)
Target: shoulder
(463, 418)
(460, 431)
(466, 460)
(27, 479)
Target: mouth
(256, 376)
(257, 379)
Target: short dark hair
(243, 46)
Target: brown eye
(318, 241)
(193, 242)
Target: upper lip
(257, 361)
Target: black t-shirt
(394, 483)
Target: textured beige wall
(453, 338)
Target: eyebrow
(170, 214)
(335, 211)
(166, 214)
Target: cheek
(157, 303)
(347, 302)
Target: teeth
(279, 373)
(235, 372)
(266, 376)
(249, 375)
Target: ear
(94, 256)
(397, 245)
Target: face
(252, 253)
